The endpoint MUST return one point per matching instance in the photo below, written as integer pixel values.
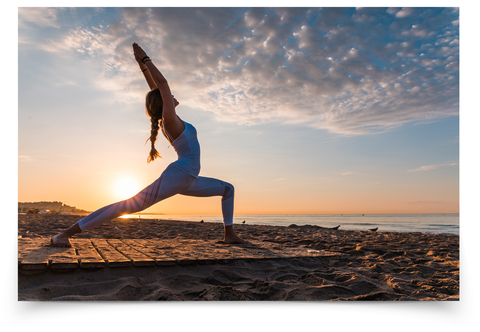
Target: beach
(356, 265)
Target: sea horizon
(431, 223)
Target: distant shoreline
(67, 208)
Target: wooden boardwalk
(37, 255)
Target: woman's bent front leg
(207, 187)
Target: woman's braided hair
(154, 107)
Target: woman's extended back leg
(172, 181)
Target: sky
(303, 110)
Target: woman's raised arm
(145, 71)
(148, 77)
(172, 122)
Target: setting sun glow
(126, 188)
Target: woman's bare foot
(60, 240)
(231, 238)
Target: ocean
(447, 223)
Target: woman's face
(175, 101)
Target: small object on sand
(337, 227)
(243, 222)
(373, 229)
(202, 221)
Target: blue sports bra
(188, 149)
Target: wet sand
(366, 266)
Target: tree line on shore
(47, 207)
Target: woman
(180, 177)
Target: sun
(126, 188)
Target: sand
(366, 266)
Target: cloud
(349, 173)
(350, 71)
(43, 17)
(404, 12)
(25, 158)
(432, 167)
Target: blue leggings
(173, 181)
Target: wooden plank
(35, 241)
(56, 258)
(36, 259)
(160, 258)
(202, 250)
(37, 254)
(87, 254)
(205, 256)
(26, 245)
(223, 256)
(63, 260)
(137, 258)
(23, 250)
(186, 261)
(32, 255)
(183, 255)
(178, 250)
(110, 254)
